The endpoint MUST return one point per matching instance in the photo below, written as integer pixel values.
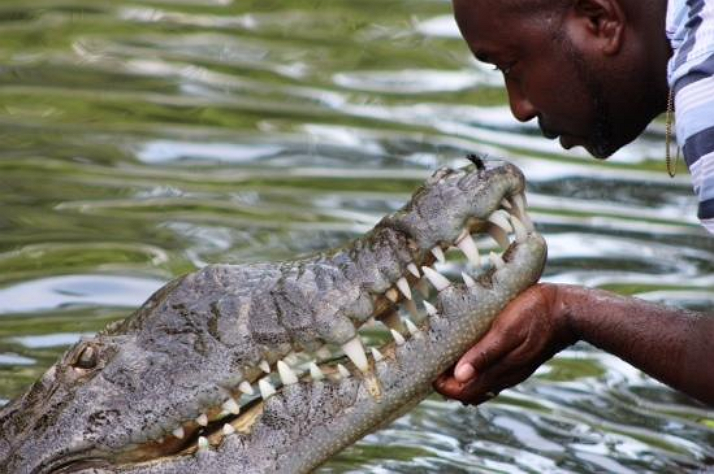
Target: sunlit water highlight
(142, 140)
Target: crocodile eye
(87, 359)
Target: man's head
(593, 72)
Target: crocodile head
(261, 368)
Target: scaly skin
(193, 343)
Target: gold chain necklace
(669, 119)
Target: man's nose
(521, 107)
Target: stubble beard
(601, 142)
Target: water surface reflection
(142, 140)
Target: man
(595, 73)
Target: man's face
(546, 77)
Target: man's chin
(599, 151)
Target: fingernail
(464, 372)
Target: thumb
(464, 371)
(480, 357)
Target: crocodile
(262, 368)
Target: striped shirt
(690, 30)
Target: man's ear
(598, 24)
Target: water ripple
(143, 140)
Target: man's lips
(549, 134)
(569, 141)
(566, 141)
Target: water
(142, 140)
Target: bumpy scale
(172, 387)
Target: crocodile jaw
(238, 432)
(304, 423)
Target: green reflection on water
(336, 135)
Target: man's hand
(530, 330)
(670, 344)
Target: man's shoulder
(690, 31)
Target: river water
(144, 139)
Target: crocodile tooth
(430, 309)
(246, 388)
(228, 429)
(413, 329)
(202, 419)
(343, 371)
(392, 295)
(439, 254)
(231, 406)
(527, 222)
(355, 351)
(464, 233)
(264, 366)
(468, 247)
(519, 203)
(413, 270)
(500, 236)
(412, 308)
(376, 354)
(468, 280)
(287, 376)
(203, 443)
(315, 372)
(439, 281)
(179, 432)
(496, 260)
(403, 286)
(266, 388)
(505, 204)
(423, 288)
(500, 218)
(519, 229)
(323, 353)
(398, 338)
(291, 359)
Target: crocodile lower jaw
(396, 308)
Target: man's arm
(672, 345)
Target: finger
(453, 389)
(449, 387)
(489, 350)
(465, 393)
(496, 380)
(473, 392)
